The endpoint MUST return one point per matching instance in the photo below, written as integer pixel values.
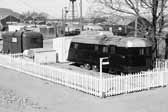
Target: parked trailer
(17, 42)
(126, 54)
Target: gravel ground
(10, 99)
(22, 93)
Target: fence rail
(106, 86)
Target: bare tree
(154, 9)
(157, 7)
(41, 15)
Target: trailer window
(141, 51)
(76, 46)
(112, 50)
(105, 49)
(96, 47)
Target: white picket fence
(106, 86)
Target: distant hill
(5, 11)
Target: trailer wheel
(82, 66)
(95, 68)
(87, 66)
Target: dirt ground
(22, 93)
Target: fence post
(161, 79)
(101, 80)
(102, 94)
(125, 83)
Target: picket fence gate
(99, 86)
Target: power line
(34, 8)
(30, 6)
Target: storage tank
(11, 42)
(5, 47)
(32, 40)
(17, 42)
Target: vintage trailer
(17, 42)
(125, 54)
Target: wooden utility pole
(73, 9)
(66, 12)
(62, 16)
(63, 23)
(81, 15)
(136, 21)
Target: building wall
(8, 19)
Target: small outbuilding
(125, 26)
(6, 20)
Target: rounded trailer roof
(134, 42)
(113, 40)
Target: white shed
(62, 45)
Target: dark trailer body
(126, 54)
(17, 42)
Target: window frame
(112, 50)
(105, 49)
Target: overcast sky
(52, 7)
